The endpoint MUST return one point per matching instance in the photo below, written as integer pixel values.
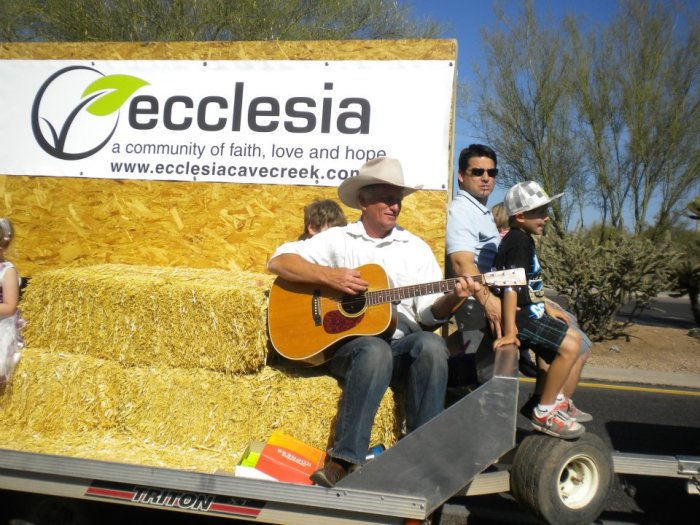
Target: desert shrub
(686, 281)
(687, 276)
(597, 279)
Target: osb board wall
(63, 221)
(268, 50)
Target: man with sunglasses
(471, 245)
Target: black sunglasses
(478, 172)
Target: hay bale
(213, 411)
(57, 394)
(82, 406)
(118, 447)
(135, 315)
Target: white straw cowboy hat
(382, 170)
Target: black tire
(562, 482)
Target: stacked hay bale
(162, 367)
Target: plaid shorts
(543, 336)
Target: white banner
(263, 122)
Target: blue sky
(464, 21)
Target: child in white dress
(11, 341)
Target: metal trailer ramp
(439, 459)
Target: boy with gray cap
(536, 323)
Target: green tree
(638, 98)
(609, 116)
(207, 20)
(15, 24)
(524, 109)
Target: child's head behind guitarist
(320, 215)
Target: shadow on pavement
(660, 500)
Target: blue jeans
(368, 366)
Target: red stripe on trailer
(234, 509)
(109, 493)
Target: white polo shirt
(406, 259)
(471, 228)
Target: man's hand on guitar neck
(465, 263)
(465, 287)
(294, 268)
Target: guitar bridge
(316, 307)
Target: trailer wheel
(562, 482)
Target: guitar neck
(391, 295)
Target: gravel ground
(664, 349)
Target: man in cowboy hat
(367, 365)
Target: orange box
(288, 459)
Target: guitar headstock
(512, 277)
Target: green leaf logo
(117, 88)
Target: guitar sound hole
(353, 304)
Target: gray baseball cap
(526, 196)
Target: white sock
(544, 409)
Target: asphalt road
(663, 310)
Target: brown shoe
(331, 473)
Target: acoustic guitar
(307, 322)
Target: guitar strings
(390, 292)
(367, 297)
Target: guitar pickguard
(335, 322)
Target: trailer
(98, 209)
(470, 449)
